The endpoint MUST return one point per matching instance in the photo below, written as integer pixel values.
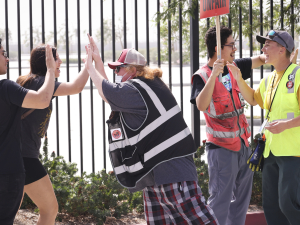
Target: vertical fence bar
(281, 14)
(103, 103)
(229, 21)
(56, 99)
(19, 37)
(271, 24)
(92, 96)
(7, 35)
(194, 41)
(180, 59)
(80, 94)
(147, 32)
(158, 36)
(170, 50)
(240, 33)
(68, 75)
(292, 19)
(251, 54)
(30, 25)
(136, 25)
(124, 24)
(43, 20)
(261, 46)
(113, 35)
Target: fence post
(194, 41)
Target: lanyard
(275, 90)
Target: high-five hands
(94, 48)
(89, 58)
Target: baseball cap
(281, 37)
(129, 57)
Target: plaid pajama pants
(177, 204)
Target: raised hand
(89, 58)
(235, 71)
(94, 48)
(50, 62)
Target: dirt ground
(29, 217)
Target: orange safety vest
(225, 120)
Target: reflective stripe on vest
(153, 152)
(227, 134)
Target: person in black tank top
(37, 183)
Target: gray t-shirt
(35, 125)
(127, 99)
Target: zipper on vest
(238, 116)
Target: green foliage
(202, 170)
(99, 195)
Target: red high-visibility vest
(225, 118)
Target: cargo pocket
(131, 160)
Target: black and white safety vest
(162, 136)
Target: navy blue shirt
(11, 100)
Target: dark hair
(211, 39)
(37, 64)
(0, 42)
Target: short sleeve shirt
(11, 100)
(35, 125)
(126, 99)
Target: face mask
(118, 79)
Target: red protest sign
(210, 8)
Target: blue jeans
(11, 192)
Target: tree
(170, 12)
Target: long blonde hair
(146, 71)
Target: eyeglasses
(4, 54)
(233, 46)
(119, 67)
(273, 34)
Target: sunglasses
(119, 67)
(272, 34)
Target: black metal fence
(130, 9)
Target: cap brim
(262, 39)
(113, 65)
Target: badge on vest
(291, 77)
(290, 84)
(116, 134)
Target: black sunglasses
(5, 54)
(119, 67)
(273, 34)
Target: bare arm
(41, 99)
(258, 61)
(94, 74)
(279, 126)
(204, 97)
(74, 87)
(247, 92)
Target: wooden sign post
(211, 8)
